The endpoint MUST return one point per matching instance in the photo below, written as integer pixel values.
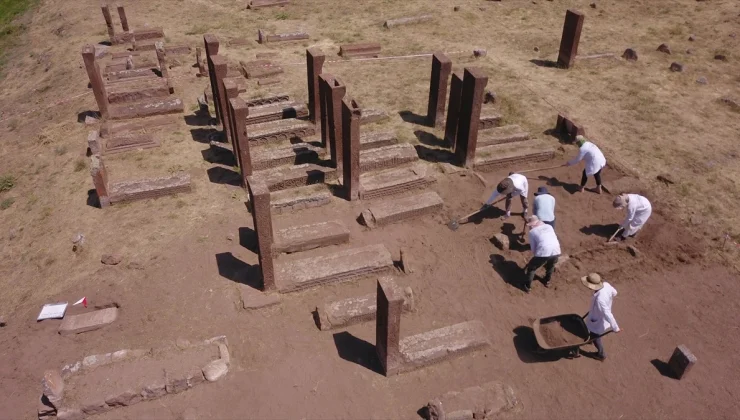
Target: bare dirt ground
(180, 274)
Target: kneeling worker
(546, 249)
(514, 184)
(639, 210)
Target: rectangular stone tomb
(394, 181)
(110, 128)
(301, 198)
(297, 176)
(387, 157)
(268, 99)
(391, 23)
(488, 401)
(137, 90)
(149, 45)
(396, 210)
(269, 156)
(100, 383)
(502, 135)
(490, 158)
(126, 191)
(147, 72)
(122, 142)
(138, 62)
(306, 237)
(345, 265)
(442, 344)
(280, 130)
(260, 69)
(75, 324)
(146, 108)
(489, 119)
(371, 49)
(256, 4)
(356, 310)
(263, 37)
(368, 116)
(375, 139)
(278, 111)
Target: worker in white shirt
(639, 210)
(544, 206)
(545, 246)
(514, 184)
(595, 162)
(599, 318)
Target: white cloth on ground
(543, 241)
(595, 160)
(600, 318)
(639, 210)
(521, 187)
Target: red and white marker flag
(83, 301)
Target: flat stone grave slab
(114, 76)
(442, 344)
(146, 108)
(501, 135)
(137, 90)
(489, 118)
(109, 128)
(280, 130)
(259, 69)
(300, 198)
(269, 98)
(377, 139)
(390, 211)
(263, 37)
(305, 237)
(126, 191)
(387, 156)
(355, 310)
(90, 321)
(274, 155)
(368, 116)
(257, 4)
(392, 23)
(488, 401)
(252, 298)
(371, 49)
(490, 158)
(278, 111)
(341, 266)
(282, 178)
(394, 181)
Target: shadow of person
(516, 238)
(489, 213)
(357, 350)
(527, 349)
(509, 271)
(554, 182)
(605, 231)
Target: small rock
(634, 251)
(230, 237)
(677, 67)
(215, 370)
(683, 258)
(456, 8)
(536, 49)
(154, 390)
(70, 414)
(126, 398)
(129, 63)
(89, 120)
(630, 54)
(501, 241)
(666, 179)
(733, 35)
(182, 343)
(53, 386)
(2, 322)
(490, 97)
(692, 38)
(664, 48)
(111, 259)
(95, 407)
(689, 51)
(720, 57)
(695, 220)
(732, 102)
(406, 263)
(593, 5)
(12, 233)
(479, 53)
(702, 80)
(135, 265)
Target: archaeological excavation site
(324, 209)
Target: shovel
(615, 233)
(539, 169)
(455, 223)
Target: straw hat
(592, 281)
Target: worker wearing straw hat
(639, 210)
(599, 318)
(546, 249)
(514, 184)
(595, 162)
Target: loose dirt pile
(563, 332)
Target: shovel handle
(615, 234)
(539, 169)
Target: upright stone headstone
(351, 114)
(220, 68)
(571, 37)
(238, 112)
(474, 85)
(259, 196)
(122, 16)
(100, 180)
(314, 65)
(212, 46)
(162, 59)
(388, 325)
(453, 109)
(231, 91)
(324, 91)
(96, 79)
(441, 69)
(109, 23)
(338, 90)
(681, 361)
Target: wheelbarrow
(575, 333)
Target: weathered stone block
(53, 387)
(355, 310)
(154, 390)
(75, 324)
(306, 237)
(392, 211)
(681, 361)
(215, 370)
(126, 398)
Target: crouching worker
(546, 249)
(514, 184)
(639, 210)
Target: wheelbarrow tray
(575, 326)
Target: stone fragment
(689, 51)
(96, 360)
(681, 361)
(78, 243)
(195, 377)
(126, 398)
(223, 353)
(633, 251)
(95, 407)
(70, 414)
(488, 401)
(733, 103)
(677, 67)
(89, 321)
(501, 241)
(2, 322)
(536, 49)
(570, 39)
(692, 38)
(630, 54)
(256, 299)
(702, 80)
(53, 386)
(111, 259)
(664, 48)
(215, 370)
(176, 385)
(479, 53)
(490, 97)
(666, 178)
(407, 20)
(593, 5)
(154, 390)
(406, 261)
(720, 57)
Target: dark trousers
(597, 177)
(552, 223)
(535, 263)
(597, 342)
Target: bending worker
(595, 162)
(639, 210)
(514, 184)
(544, 206)
(546, 249)
(599, 318)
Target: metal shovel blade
(454, 224)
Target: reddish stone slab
(370, 49)
(392, 23)
(570, 39)
(75, 324)
(146, 109)
(453, 109)
(127, 191)
(681, 361)
(300, 198)
(306, 237)
(441, 69)
(257, 4)
(394, 181)
(442, 344)
(388, 325)
(387, 157)
(259, 197)
(391, 211)
(351, 148)
(497, 156)
(488, 401)
(297, 176)
(568, 128)
(355, 310)
(96, 79)
(281, 130)
(474, 84)
(260, 69)
(137, 90)
(502, 135)
(263, 37)
(375, 139)
(314, 66)
(489, 119)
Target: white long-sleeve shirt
(543, 241)
(544, 207)
(639, 210)
(595, 160)
(521, 187)
(600, 318)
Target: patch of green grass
(198, 30)
(9, 10)
(282, 16)
(5, 204)
(6, 182)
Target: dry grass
(655, 120)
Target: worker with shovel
(639, 210)
(599, 318)
(595, 162)
(514, 184)
(546, 249)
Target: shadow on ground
(238, 271)
(605, 231)
(219, 175)
(357, 350)
(413, 118)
